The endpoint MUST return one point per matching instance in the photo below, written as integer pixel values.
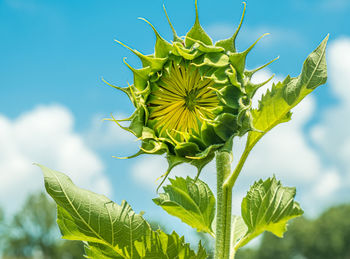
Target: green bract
(191, 96)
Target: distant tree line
(32, 233)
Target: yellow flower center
(181, 101)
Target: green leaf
(97, 250)
(110, 230)
(314, 74)
(189, 200)
(161, 245)
(239, 229)
(84, 215)
(267, 207)
(155, 245)
(276, 104)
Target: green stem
(231, 179)
(224, 206)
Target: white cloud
(285, 152)
(107, 134)
(44, 135)
(339, 67)
(146, 170)
(327, 184)
(331, 134)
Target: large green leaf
(267, 207)
(276, 104)
(110, 230)
(101, 251)
(191, 201)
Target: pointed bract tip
(252, 46)
(234, 36)
(145, 20)
(115, 87)
(121, 43)
(196, 5)
(153, 28)
(129, 48)
(121, 158)
(326, 38)
(127, 64)
(175, 37)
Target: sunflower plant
(192, 98)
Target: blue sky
(54, 53)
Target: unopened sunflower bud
(191, 97)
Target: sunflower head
(192, 97)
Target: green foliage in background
(326, 237)
(33, 232)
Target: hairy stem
(224, 206)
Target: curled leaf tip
(140, 152)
